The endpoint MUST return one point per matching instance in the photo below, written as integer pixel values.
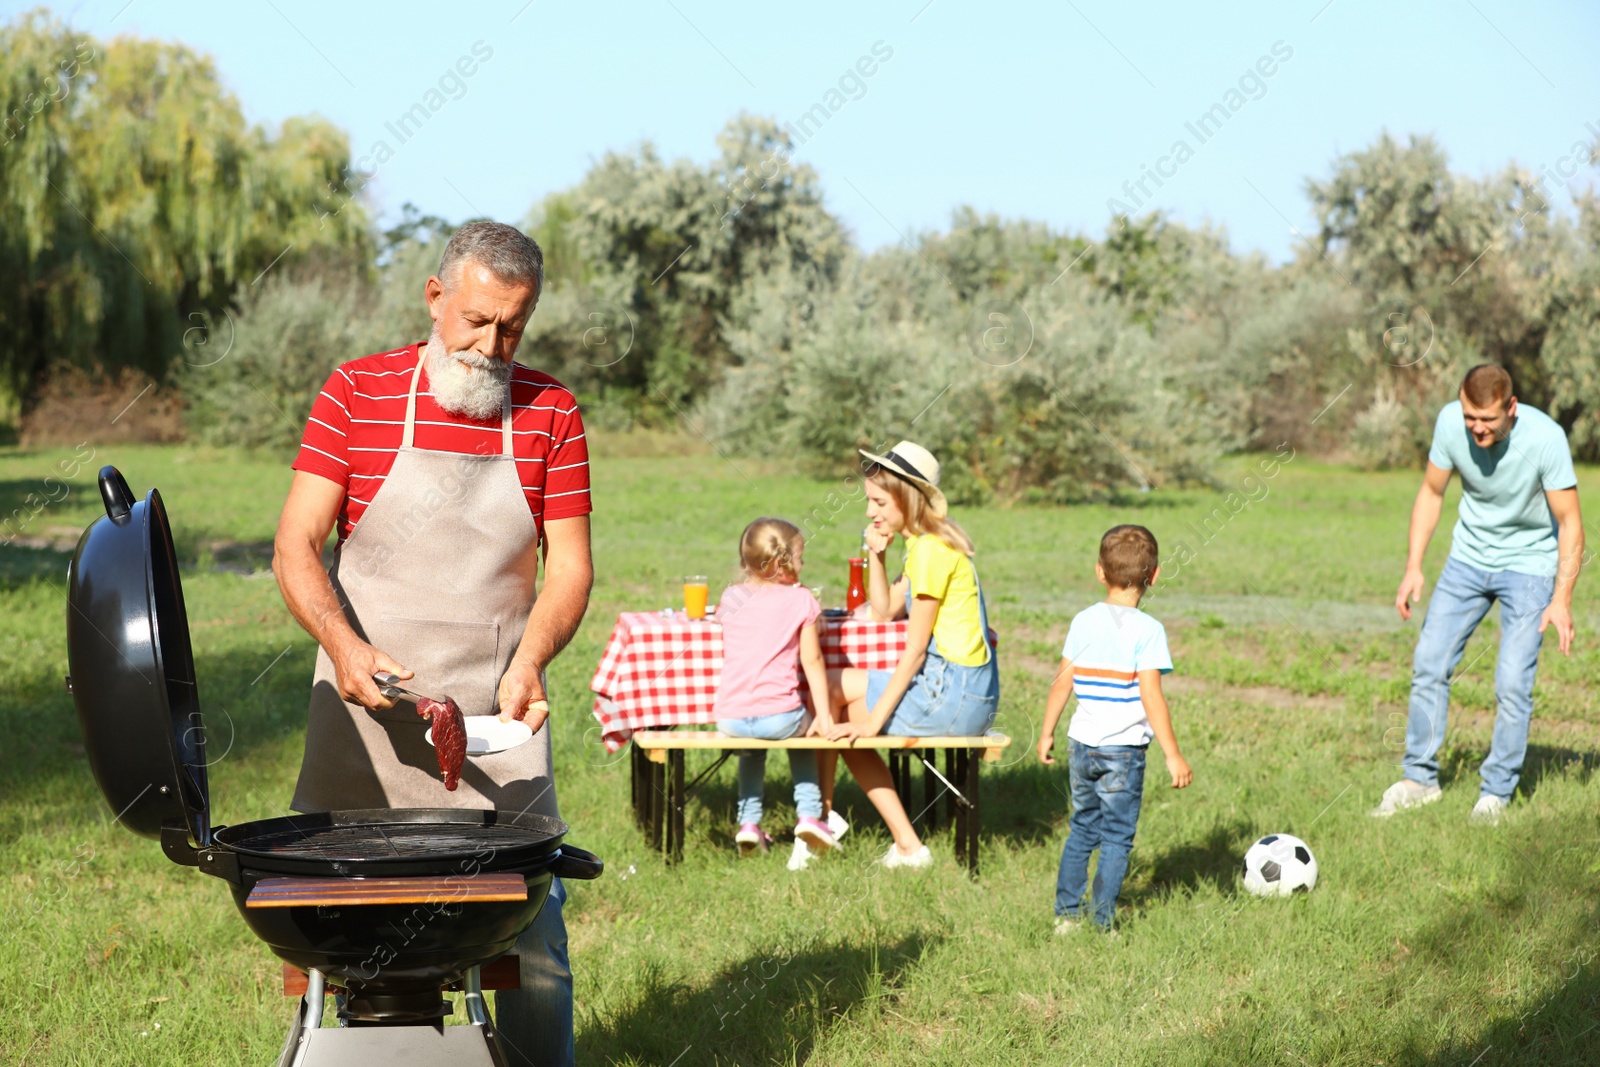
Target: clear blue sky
(1040, 110)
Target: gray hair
(511, 255)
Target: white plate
(486, 734)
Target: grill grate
(374, 841)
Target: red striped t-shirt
(358, 421)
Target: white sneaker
(894, 858)
(1405, 794)
(837, 825)
(1488, 809)
(1065, 925)
(799, 857)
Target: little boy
(1114, 658)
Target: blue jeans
(1107, 787)
(534, 1023)
(753, 763)
(1460, 601)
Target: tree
(673, 245)
(133, 194)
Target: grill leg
(675, 804)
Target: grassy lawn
(1428, 941)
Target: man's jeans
(535, 1022)
(1107, 787)
(1460, 601)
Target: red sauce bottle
(857, 595)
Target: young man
(1519, 540)
(1113, 659)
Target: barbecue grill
(390, 905)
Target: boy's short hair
(1129, 556)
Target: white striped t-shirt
(1108, 645)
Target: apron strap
(411, 403)
(505, 421)
(410, 433)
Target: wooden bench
(660, 794)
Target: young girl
(769, 623)
(947, 682)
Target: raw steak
(449, 737)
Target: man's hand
(1559, 616)
(1410, 591)
(356, 662)
(1047, 742)
(1178, 767)
(522, 695)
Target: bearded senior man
(447, 467)
(1518, 540)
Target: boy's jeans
(1107, 787)
(1460, 601)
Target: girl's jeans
(1460, 601)
(1107, 787)
(753, 763)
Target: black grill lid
(132, 669)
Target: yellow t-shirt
(937, 570)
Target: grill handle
(115, 494)
(575, 863)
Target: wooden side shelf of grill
(503, 973)
(336, 892)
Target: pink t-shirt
(761, 648)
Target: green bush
(1057, 391)
(253, 383)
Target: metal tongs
(389, 686)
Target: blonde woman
(947, 682)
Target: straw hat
(910, 462)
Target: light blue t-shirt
(1504, 522)
(1108, 645)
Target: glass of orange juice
(696, 590)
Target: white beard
(465, 383)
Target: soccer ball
(1277, 865)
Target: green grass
(1428, 941)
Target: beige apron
(438, 573)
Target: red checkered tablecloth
(663, 671)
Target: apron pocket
(449, 657)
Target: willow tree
(133, 195)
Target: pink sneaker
(750, 838)
(815, 834)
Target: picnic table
(661, 670)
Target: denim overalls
(944, 699)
